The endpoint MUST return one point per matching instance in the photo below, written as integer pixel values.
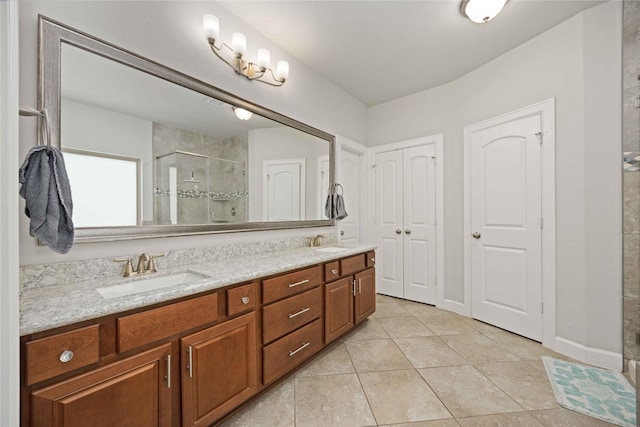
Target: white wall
(579, 63)
(9, 299)
(171, 33)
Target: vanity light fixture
(258, 70)
(481, 11)
(241, 113)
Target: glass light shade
(482, 11)
(282, 70)
(242, 114)
(239, 43)
(264, 58)
(211, 27)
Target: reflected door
(351, 184)
(283, 181)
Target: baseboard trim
(452, 305)
(593, 356)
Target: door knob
(342, 233)
(398, 231)
(476, 235)
(407, 231)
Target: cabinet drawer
(352, 264)
(46, 357)
(284, 316)
(331, 271)
(371, 259)
(240, 299)
(152, 325)
(289, 284)
(288, 352)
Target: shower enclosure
(196, 189)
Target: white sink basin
(331, 249)
(149, 284)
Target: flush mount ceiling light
(481, 11)
(258, 70)
(241, 113)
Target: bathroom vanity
(194, 359)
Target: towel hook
(335, 188)
(46, 130)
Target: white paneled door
(283, 181)
(406, 223)
(506, 250)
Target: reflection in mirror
(191, 160)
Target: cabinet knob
(373, 260)
(245, 300)
(66, 356)
(334, 271)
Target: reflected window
(99, 182)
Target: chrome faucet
(145, 264)
(316, 241)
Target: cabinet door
(338, 300)
(221, 370)
(365, 304)
(132, 392)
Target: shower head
(192, 180)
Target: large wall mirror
(152, 152)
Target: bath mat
(599, 393)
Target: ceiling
(383, 50)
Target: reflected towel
(47, 194)
(334, 207)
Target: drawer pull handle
(190, 367)
(245, 300)
(302, 347)
(302, 282)
(359, 286)
(66, 356)
(168, 377)
(304, 310)
(334, 271)
(373, 260)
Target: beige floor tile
(334, 361)
(478, 325)
(478, 349)
(377, 355)
(385, 298)
(332, 400)
(389, 309)
(565, 418)
(371, 330)
(526, 382)
(418, 309)
(401, 396)
(428, 352)
(522, 347)
(275, 408)
(521, 419)
(401, 327)
(436, 423)
(466, 392)
(445, 324)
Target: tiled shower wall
(631, 183)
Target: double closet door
(405, 222)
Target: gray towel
(46, 191)
(334, 207)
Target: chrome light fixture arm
(245, 68)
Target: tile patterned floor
(415, 365)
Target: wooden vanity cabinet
(193, 361)
(351, 299)
(132, 392)
(220, 370)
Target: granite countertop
(62, 304)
